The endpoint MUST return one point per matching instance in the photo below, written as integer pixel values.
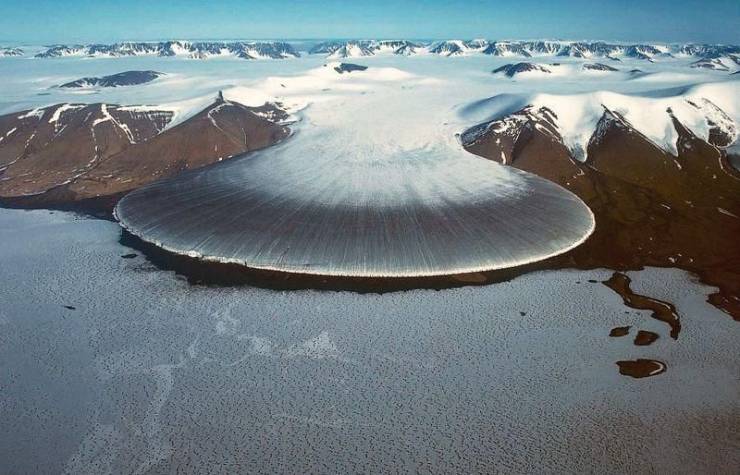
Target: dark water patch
(60, 199)
(619, 331)
(641, 368)
(663, 311)
(645, 338)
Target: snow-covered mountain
(504, 48)
(725, 63)
(360, 48)
(541, 70)
(579, 49)
(11, 52)
(353, 50)
(371, 47)
(573, 119)
(575, 49)
(198, 50)
(707, 51)
(453, 48)
(652, 167)
(598, 67)
(512, 70)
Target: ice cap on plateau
(700, 108)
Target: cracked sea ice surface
(150, 374)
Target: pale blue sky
(46, 21)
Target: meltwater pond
(301, 207)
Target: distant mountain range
(197, 50)
(361, 48)
(576, 49)
(353, 49)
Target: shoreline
(217, 274)
(96, 208)
(199, 272)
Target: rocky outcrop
(598, 67)
(52, 146)
(512, 70)
(717, 64)
(126, 78)
(11, 52)
(342, 68)
(714, 64)
(196, 50)
(69, 153)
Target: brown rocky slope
(651, 208)
(74, 153)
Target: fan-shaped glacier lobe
(372, 183)
(412, 215)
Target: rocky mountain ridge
(370, 47)
(68, 153)
(575, 49)
(652, 207)
(194, 50)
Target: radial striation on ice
(285, 210)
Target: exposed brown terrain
(641, 368)
(72, 153)
(651, 208)
(619, 331)
(644, 338)
(52, 146)
(663, 311)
